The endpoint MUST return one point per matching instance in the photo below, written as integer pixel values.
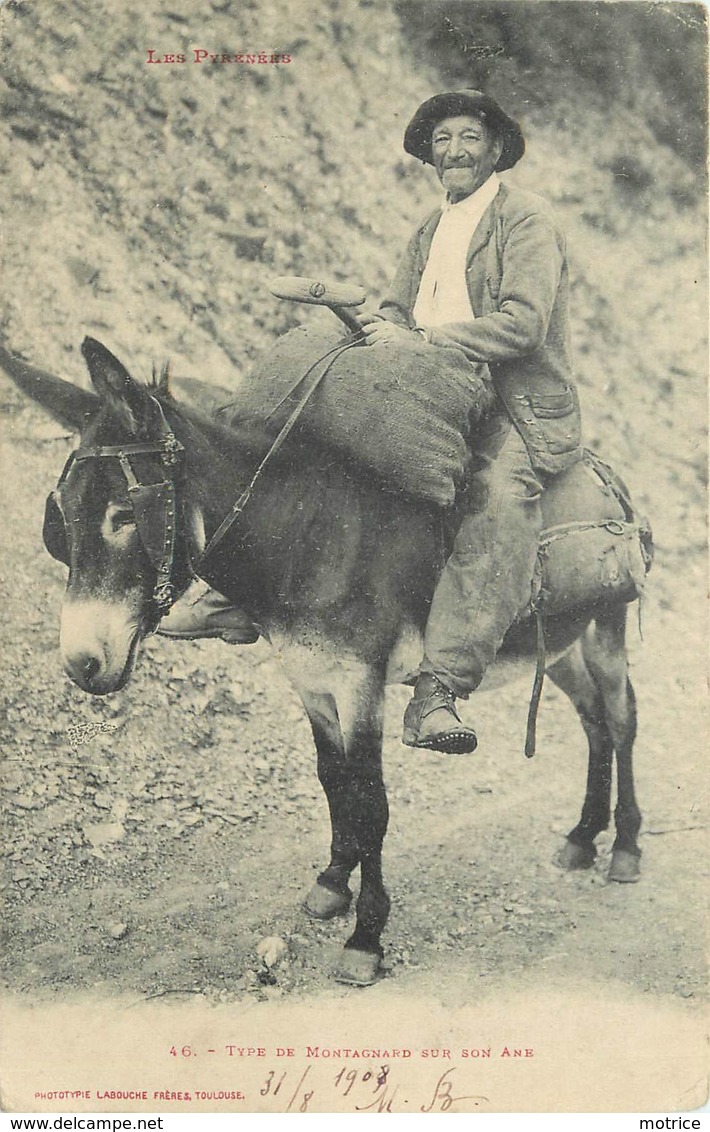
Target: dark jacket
(518, 284)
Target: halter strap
(151, 501)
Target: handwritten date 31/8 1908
(366, 1090)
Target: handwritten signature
(380, 1091)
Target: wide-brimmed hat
(417, 136)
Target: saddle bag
(582, 562)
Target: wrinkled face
(465, 152)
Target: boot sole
(450, 743)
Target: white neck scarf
(443, 295)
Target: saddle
(398, 413)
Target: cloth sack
(584, 565)
(402, 412)
(594, 545)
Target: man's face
(465, 153)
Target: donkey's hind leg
(604, 651)
(572, 675)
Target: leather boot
(432, 722)
(202, 612)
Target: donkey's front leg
(361, 806)
(331, 895)
(360, 961)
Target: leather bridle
(154, 506)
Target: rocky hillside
(149, 204)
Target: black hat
(417, 136)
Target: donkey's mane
(160, 382)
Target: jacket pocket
(557, 417)
(546, 406)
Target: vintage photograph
(353, 363)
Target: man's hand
(377, 329)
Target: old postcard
(486, 224)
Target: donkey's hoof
(625, 868)
(358, 968)
(322, 903)
(572, 856)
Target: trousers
(486, 582)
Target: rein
(308, 388)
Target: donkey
(337, 573)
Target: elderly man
(487, 273)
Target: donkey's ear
(110, 377)
(67, 403)
(114, 384)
